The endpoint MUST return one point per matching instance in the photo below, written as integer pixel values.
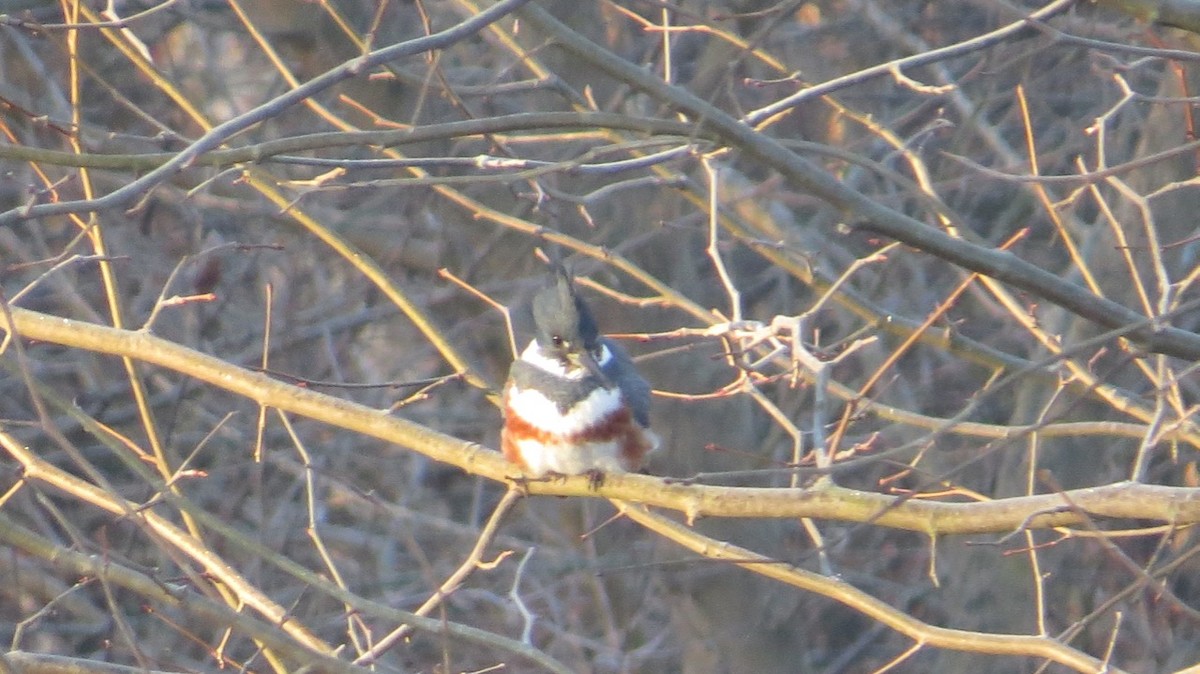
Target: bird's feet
(595, 478)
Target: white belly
(541, 459)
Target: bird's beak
(588, 362)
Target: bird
(574, 403)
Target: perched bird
(574, 403)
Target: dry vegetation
(915, 284)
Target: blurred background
(998, 396)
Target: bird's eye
(557, 340)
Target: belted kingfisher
(574, 403)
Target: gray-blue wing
(635, 389)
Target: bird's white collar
(534, 356)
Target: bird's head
(565, 329)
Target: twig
(473, 561)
